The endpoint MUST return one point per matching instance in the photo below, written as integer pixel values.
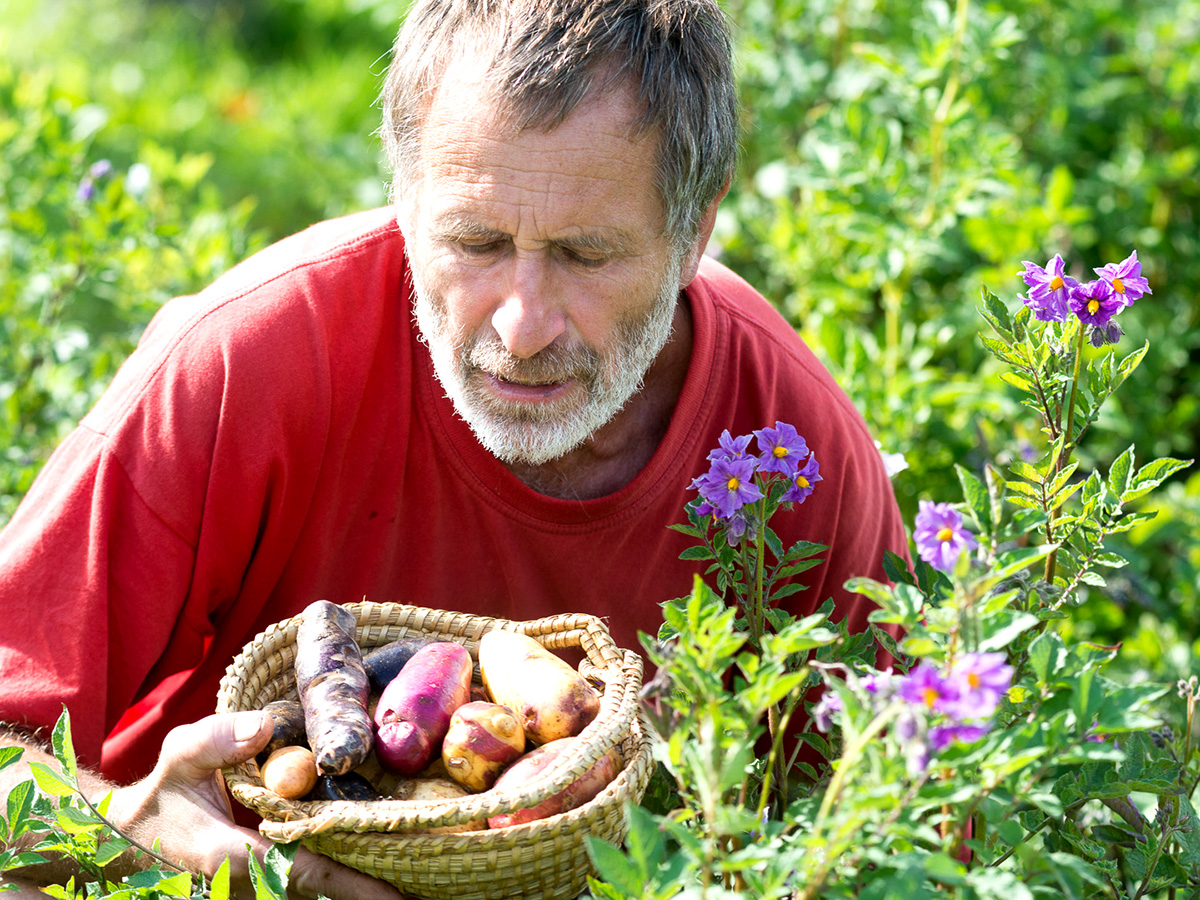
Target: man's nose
(530, 316)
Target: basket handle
(593, 742)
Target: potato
(414, 710)
(291, 772)
(434, 789)
(550, 698)
(537, 760)
(333, 687)
(287, 717)
(482, 740)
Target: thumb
(191, 752)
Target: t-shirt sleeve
(92, 586)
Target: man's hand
(183, 804)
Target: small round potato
(291, 772)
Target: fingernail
(247, 725)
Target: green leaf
(110, 849)
(50, 781)
(64, 748)
(9, 755)
(1001, 636)
(1047, 654)
(1151, 475)
(20, 802)
(74, 820)
(698, 552)
(1024, 470)
(1005, 352)
(615, 867)
(1131, 362)
(176, 885)
(218, 888)
(996, 313)
(1025, 490)
(1020, 382)
(976, 496)
(1118, 475)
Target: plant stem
(1064, 454)
(849, 756)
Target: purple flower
(87, 185)
(1049, 289)
(942, 736)
(1096, 303)
(822, 713)
(803, 481)
(729, 485)
(925, 687)
(1125, 279)
(981, 679)
(940, 536)
(730, 447)
(780, 449)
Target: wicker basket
(546, 859)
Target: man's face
(545, 287)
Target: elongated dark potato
(384, 663)
(333, 687)
(288, 716)
(350, 786)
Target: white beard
(516, 432)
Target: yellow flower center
(973, 679)
(946, 534)
(801, 481)
(1056, 283)
(930, 696)
(733, 483)
(1118, 286)
(1093, 305)
(780, 452)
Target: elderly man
(491, 397)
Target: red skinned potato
(482, 740)
(550, 698)
(579, 792)
(414, 711)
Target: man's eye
(479, 249)
(586, 262)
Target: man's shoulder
(331, 246)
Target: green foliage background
(896, 156)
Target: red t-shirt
(280, 438)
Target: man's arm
(183, 804)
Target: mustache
(550, 365)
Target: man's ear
(691, 259)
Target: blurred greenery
(896, 156)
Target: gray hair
(548, 55)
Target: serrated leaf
(698, 552)
(1024, 470)
(1020, 382)
(1024, 502)
(1025, 490)
(1151, 475)
(74, 820)
(1006, 353)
